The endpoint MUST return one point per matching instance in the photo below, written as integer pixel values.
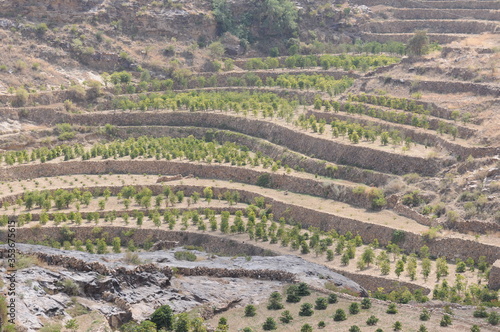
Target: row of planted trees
(163, 148)
(258, 223)
(323, 83)
(403, 104)
(246, 102)
(416, 120)
(354, 131)
(344, 61)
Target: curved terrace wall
(290, 158)
(292, 183)
(310, 145)
(416, 134)
(483, 4)
(455, 14)
(450, 247)
(209, 242)
(446, 87)
(434, 26)
(141, 235)
(403, 37)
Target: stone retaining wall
(450, 247)
(456, 14)
(494, 280)
(237, 273)
(412, 214)
(369, 282)
(302, 96)
(446, 87)
(264, 74)
(416, 134)
(333, 151)
(403, 37)
(373, 283)
(463, 131)
(433, 26)
(102, 214)
(209, 242)
(290, 158)
(335, 191)
(459, 4)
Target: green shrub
(286, 317)
(292, 294)
(494, 318)
(162, 317)
(303, 289)
(445, 321)
(321, 303)
(306, 328)
(366, 303)
(392, 309)
(372, 320)
(475, 328)
(275, 301)
(340, 315)
(250, 310)
(185, 256)
(306, 309)
(269, 324)
(354, 308)
(480, 313)
(425, 315)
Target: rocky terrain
(121, 290)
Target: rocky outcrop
(128, 292)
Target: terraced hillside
(445, 21)
(337, 171)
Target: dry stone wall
(403, 37)
(265, 74)
(368, 282)
(450, 247)
(459, 4)
(322, 148)
(434, 26)
(417, 14)
(494, 280)
(237, 273)
(290, 158)
(335, 191)
(435, 110)
(102, 214)
(447, 86)
(302, 96)
(415, 134)
(373, 283)
(140, 236)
